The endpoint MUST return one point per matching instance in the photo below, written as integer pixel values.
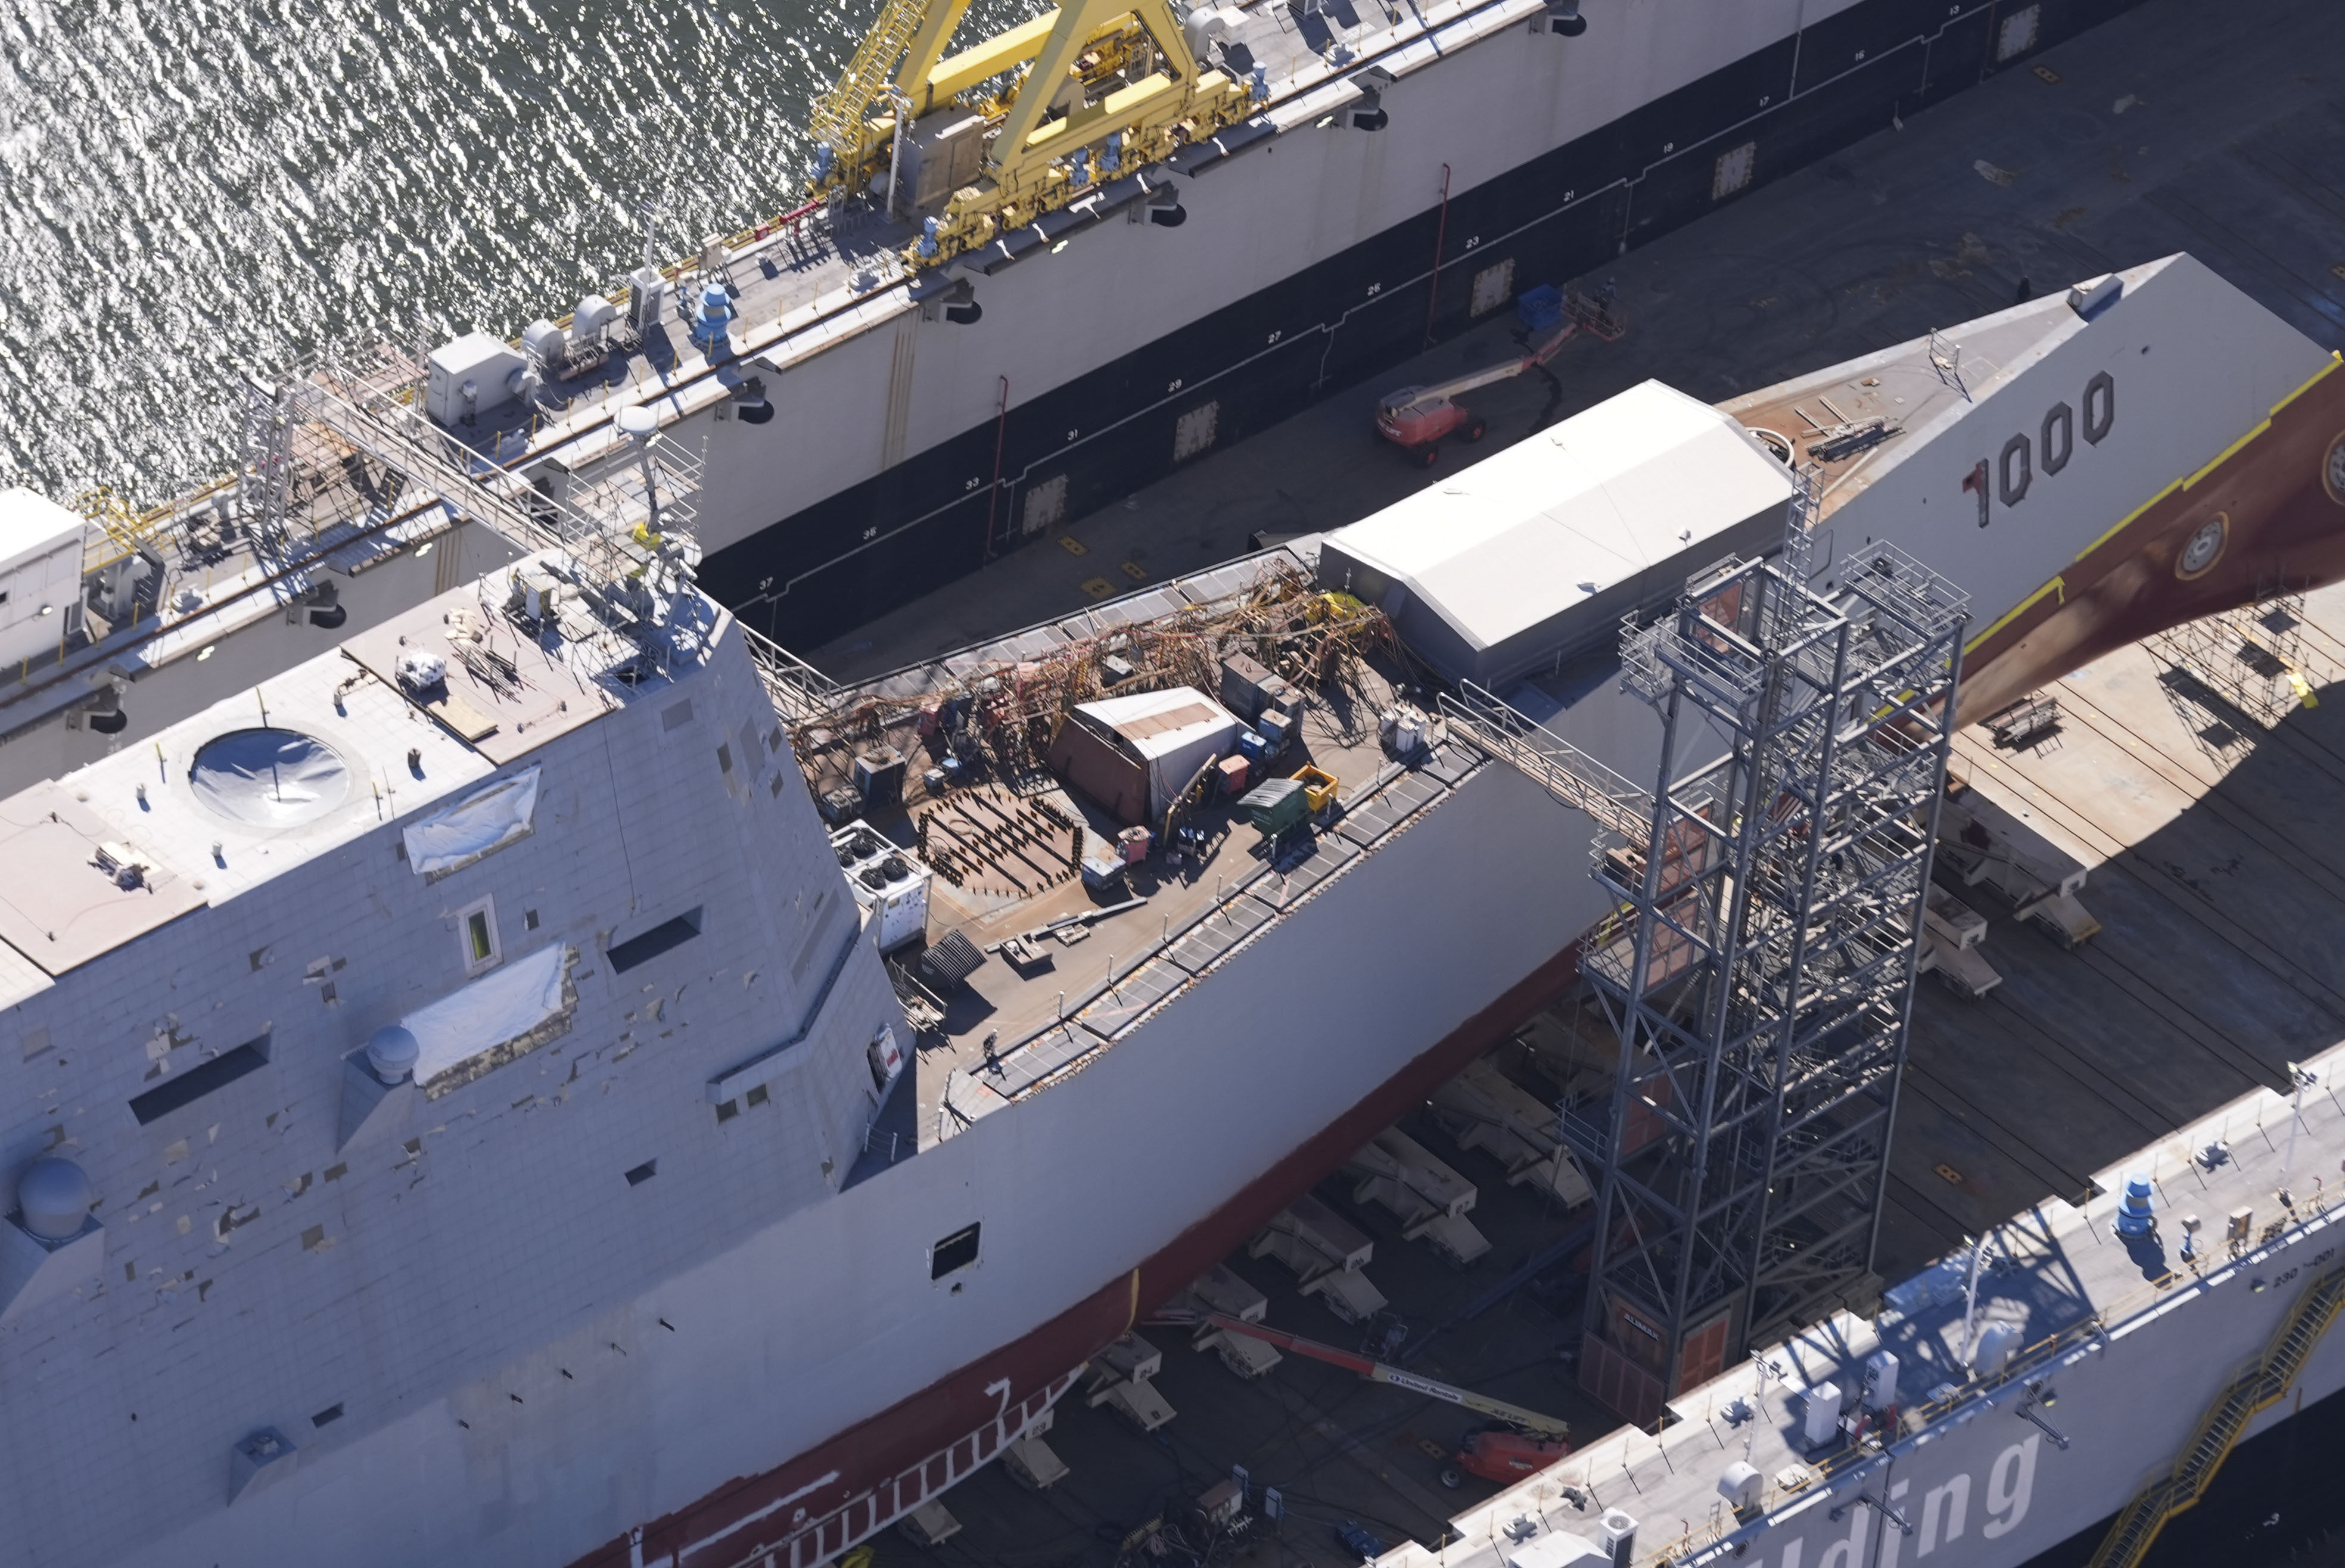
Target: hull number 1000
(2007, 478)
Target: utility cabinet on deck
(40, 576)
(941, 154)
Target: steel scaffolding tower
(2244, 663)
(1760, 966)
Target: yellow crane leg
(938, 80)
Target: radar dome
(54, 1197)
(392, 1053)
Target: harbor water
(190, 191)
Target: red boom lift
(1415, 418)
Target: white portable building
(1536, 552)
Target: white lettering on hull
(2010, 1486)
(1893, 1538)
(1950, 1504)
(1849, 1552)
(1945, 1515)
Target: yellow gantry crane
(1093, 90)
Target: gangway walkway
(1550, 761)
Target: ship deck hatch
(58, 906)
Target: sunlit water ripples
(190, 191)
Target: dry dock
(2155, 138)
(2218, 875)
(2215, 861)
(2195, 798)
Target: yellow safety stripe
(2125, 520)
(2335, 359)
(2226, 453)
(2055, 586)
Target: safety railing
(1550, 761)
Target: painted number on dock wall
(2009, 475)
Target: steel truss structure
(338, 448)
(2244, 663)
(1760, 965)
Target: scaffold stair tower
(1758, 966)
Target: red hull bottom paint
(818, 1504)
(2281, 510)
(2283, 519)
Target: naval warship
(1037, 270)
(470, 1106)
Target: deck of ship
(2214, 866)
(2214, 869)
(1101, 956)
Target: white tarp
(479, 824)
(269, 778)
(1545, 545)
(504, 1014)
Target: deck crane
(1081, 96)
(1517, 1442)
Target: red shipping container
(1234, 777)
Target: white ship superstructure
(474, 1067)
(115, 625)
(375, 1006)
